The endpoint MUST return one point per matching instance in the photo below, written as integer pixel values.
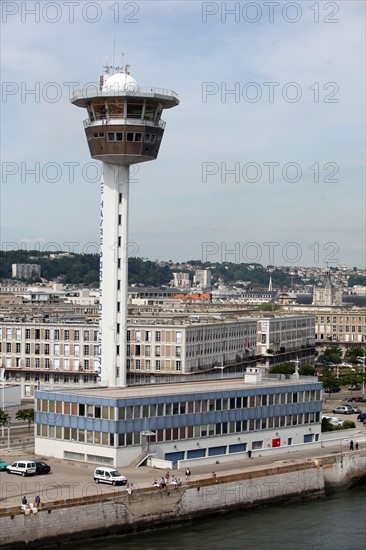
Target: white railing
(102, 119)
(119, 91)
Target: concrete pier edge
(148, 508)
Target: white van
(102, 474)
(22, 467)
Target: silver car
(343, 409)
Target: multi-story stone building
(188, 345)
(59, 350)
(181, 280)
(25, 271)
(341, 326)
(59, 345)
(202, 278)
(285, 333)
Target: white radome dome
(120, 82)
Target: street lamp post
(9, 435)
(363, 358)
(2, 374)
(296, 361)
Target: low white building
(210, 421)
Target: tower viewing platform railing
(93, 91)
(116, 119)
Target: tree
(307, 370)
(330, 382)
(352, 354)
(326, 425)
(331, 355)
(27, 415)
(283, 368)
(4, 418)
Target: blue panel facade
(179, 420)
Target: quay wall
(87, 517)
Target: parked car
(354, 387)
(343, 409)
(334, 420)
(22, 467)
(355, 409)
(3, 465)
(332, 389)
(103, 474)
(360, 399)
(361, 417)
(42, 468)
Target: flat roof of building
(154, 390)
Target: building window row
(180, 408)
(48, 334)
(175, 434)
(130, 136)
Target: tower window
(150, 111)
(134, 110)
(115, 136)
(150, 138)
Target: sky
(262, 161)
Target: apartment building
(25, 271)
(202, 278)
(190, 345)
(51, 351)
(285, 333)
(342, 326)
(58, 345)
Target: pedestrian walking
(37, 501)
(351, 445)
(188, 474)
(356, 445)
(24, 500)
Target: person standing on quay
(351, 445)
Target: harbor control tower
(123, 127)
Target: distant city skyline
(265, 157)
